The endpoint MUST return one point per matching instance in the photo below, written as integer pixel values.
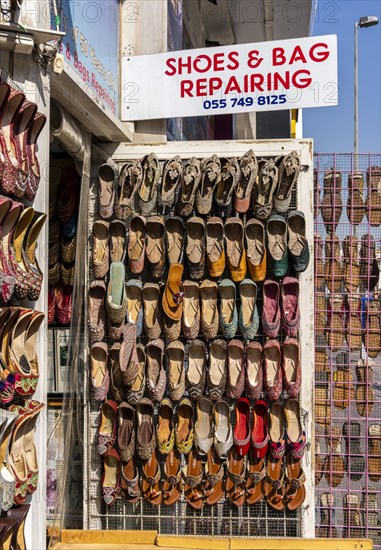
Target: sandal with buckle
(214, 478)
(295, 493)
(256, 473)
(193, 475)
(274, 480)
(172, 486)
(236, 478)
(151, 476)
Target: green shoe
(297, 242)
(277, 245)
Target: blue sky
(332, 127)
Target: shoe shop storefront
(172, 291)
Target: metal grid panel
(347, 346)
(223, 519)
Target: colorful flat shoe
(173, 293)
(125, 418)
(134, 315)
(235, 249)
(189, 185)
(155, 248)
(270, 309)
(203, 428)
(101, 253)
(195, 248)
(156, 376)
(145, 432)
(191, 310)
(242, 427)
(129, 182)
(273, 382)
(195, 377)
(292, 376)
(135, 392)
(248, 313)
(223, 432)
(298, 248)
(176, 370)
(96, 309)
(116, 303)
(152, 310)
(228, 308)
(217, 372)
(289, 171)
(117, 246)
(249, 173)
(184, 429)
(228, 181)
(236, 369)
(256, 250)
(107, 427)
(259, 432)
(209, 310)
(165, 430)
(99, 373)
(111, 477)
(264, 190)
(290, 311)
(136, 245)
(277, 246)
(34, 132)
(254, 370)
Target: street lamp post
(368, 21)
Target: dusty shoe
(147, 193)
(171, 179)
(297, 242)
(189, 185)
(230, 176)
(373, 200)
(129, 182)
(265, 189)
(351, 264)
(277, 246)
(249, 173)
(106, 193)
(332, 205)
(211, 170)
(289, 170)
(136, 244)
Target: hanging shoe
(34, 132)
(289, 171)
(152, 310)
(191, 310)
(129, 182)
(174, 236)
(195, 247)
(273, 381)
(271, 309)
(173, 295)
(215, 246)
(256, 250)
(21, 124)
(235, 249)
(209, 309)
(155, 248)
(277, 231)
(135, 304)
(195, 377)
(96, 309)
(248, 313)
(264, 190)
(355, 201)
(228, 308)
(373, 200)
(125, 418)
(16, 246)
(116, 303)
(249, 173)
(136, 244)
(156, 376)
(101, 251)
(147, 192)
(228, 181)
(189, 185)
(176, 370)
(290, 311)
(11, 183)
(111, 477)
(107, 427)
(332, 205)
(211, 171)
(117, 245)
(236, 369)
(106, 190)
(99, 373)
(254, 370)
(30, 257)
(171, 179)
(351, 263)
(217, 371)
(298, 248)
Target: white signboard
(264, 76)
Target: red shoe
(290, 306)
(260, 433)
(242, 427)
(51, 305)
(292, 376)
(64, 304)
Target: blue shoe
(135, 304)
(248, 313)
(228, 308)
(69, 228)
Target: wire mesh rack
(221, 520)
(347, 345)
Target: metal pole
(356, 109)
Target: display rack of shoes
(211, 255)
(21, 324)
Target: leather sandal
(172, 480)
(295, 492)
(236, 478)
(193, 476)
(274, 480)
(214, 478)
(151, 476)
(256, 473)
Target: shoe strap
(278, 448)
(277, 484)
(165, 447)
(152, 480)
(256, 477)
(295, 484)
(173, 480)
(184, 447)
(192, 481)
(131, 483)
(237, 479)
(213, 479)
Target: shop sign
(264, 76)
(90, 48)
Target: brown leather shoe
(136, 244)
(215, 246)
(155, 250)
(195, 249)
